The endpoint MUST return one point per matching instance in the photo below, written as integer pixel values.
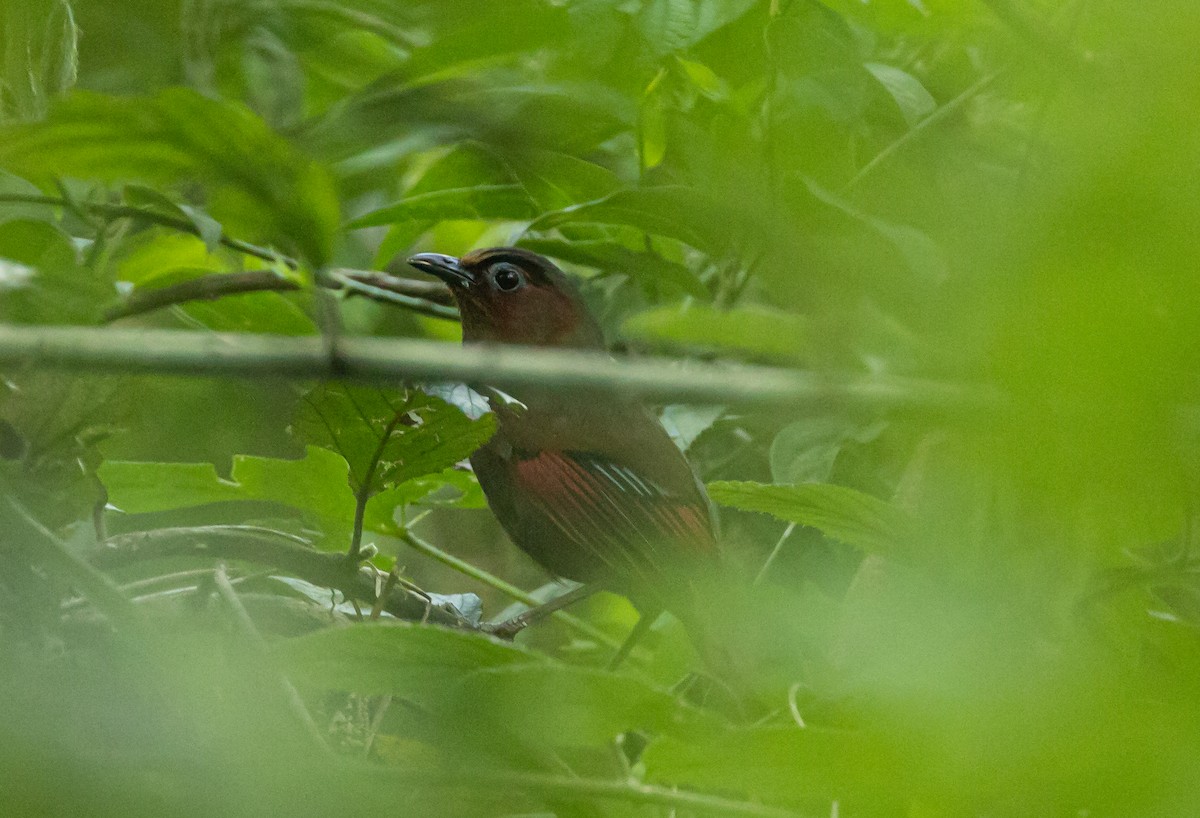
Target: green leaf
(38, 244)
(922, 254)
(673, 211)
(475, 202)
(805, 451)
(555, 180)
(838, 512)
(208, 228)
(652, 131)
(915, 103)
(785, 764)
(160, 258)
(399, 658)
(381, 509)
(684, 422)
(257, 181)
(759, 331)
(44, 282)
(389, 438)
(650, 270)
(316, 485)
(674, 25)
(704, 79)
(576, 706)
(272, 313)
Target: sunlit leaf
(476, 202)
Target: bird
(594, 490)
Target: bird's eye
(507, 277)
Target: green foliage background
(986, 612)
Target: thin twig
(117, 211)
(921, 128)
(509, 628)
(434, 292)
(363, 495)
(384, 593)
(426, 298)
(411, 295)
(508, 589)
(766, 566)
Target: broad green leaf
(676, 212)
(257, 181)
(389, 438)
(758, 331)
(44, 282)
(475, 202)
(808, 38)
(208, 228)
(838, 512)
(400, 658)
(272, 313)
(160, 258)
(684, 422)
(38, 244)
(555, 180)
(650, 270)
(316, 485)
(462, 486)
(921, 253)
(914, 102)
(805, 451)
(576, 707)
(786, 764)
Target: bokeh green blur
(986, 609)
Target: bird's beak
(447, 268)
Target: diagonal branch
(424, 297)
(204, 288)
(264, 546)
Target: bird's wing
(625, 522)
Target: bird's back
(598, 492)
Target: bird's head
(512, 296)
